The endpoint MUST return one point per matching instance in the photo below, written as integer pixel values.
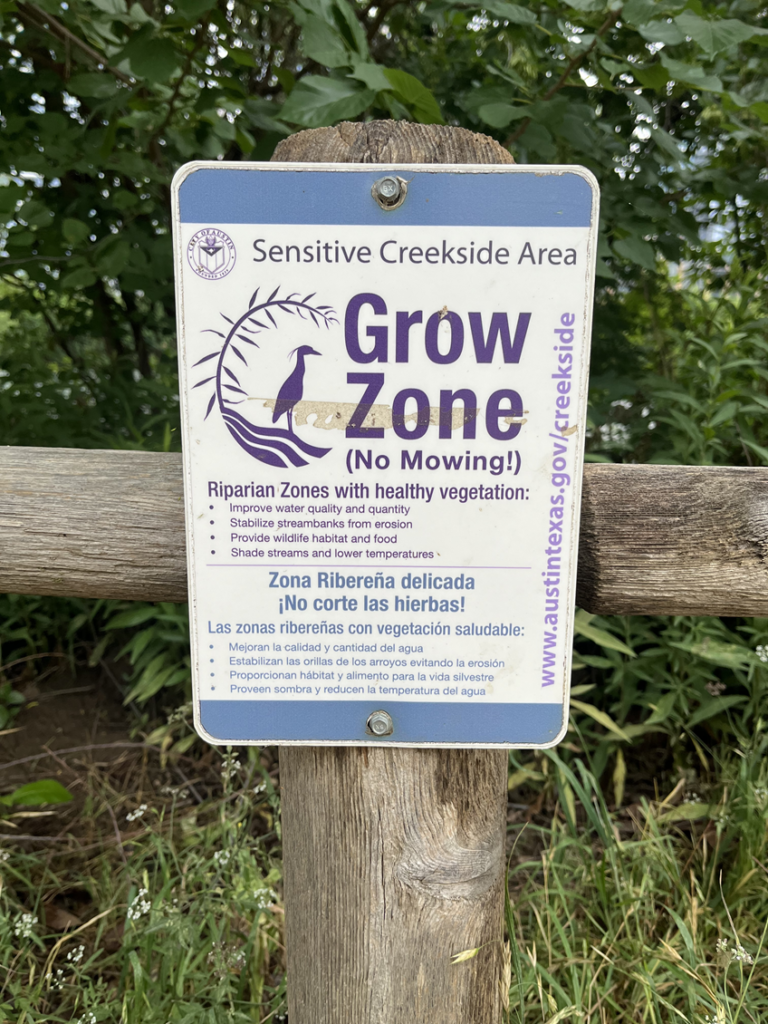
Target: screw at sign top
(379, 724)
(389, 192)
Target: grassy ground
(155, 894)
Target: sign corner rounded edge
(588, 176)
(185, 171)
(560, 736)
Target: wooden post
(393, 858)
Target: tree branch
(383, 9)
(38, 18)
(574, 63)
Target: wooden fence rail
(654, 539)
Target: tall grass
(657, 914)
(182, 919)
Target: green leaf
(46, 791)
(637, 12)
(601, 637)
(373, 76)
(98, 652)
(513, 13)
(410, 90)
(316, 101)
(586, 5)
(654, 77)
(595, 661)
(714, 707)
(600, 717)
(81, 277)
(115, 7)
(718, 653)
(242, 57)
(132, 617)
(347, 19)
(691, 74)
(761, 109)
(661, 32)
(636, 250)
(663, 709)
(499, 115)
(74, 231)
(684, 812)
(152, 59)
(191, 10)
(92, 84)
(717, 35)
(323, 43)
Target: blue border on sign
(225, 195)
(329, 721)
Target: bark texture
(664, 540)
(393, 858)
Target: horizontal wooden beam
(661, 540)
(674, 540)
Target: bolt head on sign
(384, 407)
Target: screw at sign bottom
(379, 724)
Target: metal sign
(383, 384)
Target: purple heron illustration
(293, 386)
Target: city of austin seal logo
(211, 253)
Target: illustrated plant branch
(37, 17)
(573, 64)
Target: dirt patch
(62, 711)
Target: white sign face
(383, 415)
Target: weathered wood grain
(662, 540)
(678, 540)
(394, 861)
(92, 524)
(391, 142)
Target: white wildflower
(740, 955)
(260, 788)
(56, 982)
(138, 813)
(24, 926)
(76, 955)
(180, 792)
(180, 714)
(722, 945)
(4, 856)
(614, 435)
(761, 794)
(264, 897)
(230, 766)
(222, 857)
(762, 652)
(88, 1018)
(140, 906)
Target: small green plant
(10, 704)
(158, 651)
(33, 794)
